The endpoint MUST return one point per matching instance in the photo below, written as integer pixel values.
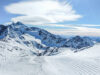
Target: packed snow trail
(52, 66)
(86, 62)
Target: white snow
(17, 56)
(85, 62)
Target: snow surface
(86, 62)
(33, 51)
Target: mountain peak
(17, 23)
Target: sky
(70, 15)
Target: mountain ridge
(41, 40)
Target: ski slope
(86, 62)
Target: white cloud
(42, 11)
(90, 25)
(76, 30)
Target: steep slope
(17, 35)
(3, 31)
(79, 43)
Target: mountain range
(36, 41)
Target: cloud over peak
(42, 11)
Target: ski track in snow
(70, 66)
(61, 64)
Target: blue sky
(80, 17)
(89, 9)
(4, 15)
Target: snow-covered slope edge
(66, 63)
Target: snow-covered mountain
(32, 40)
(21, 47)
(79, 43)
